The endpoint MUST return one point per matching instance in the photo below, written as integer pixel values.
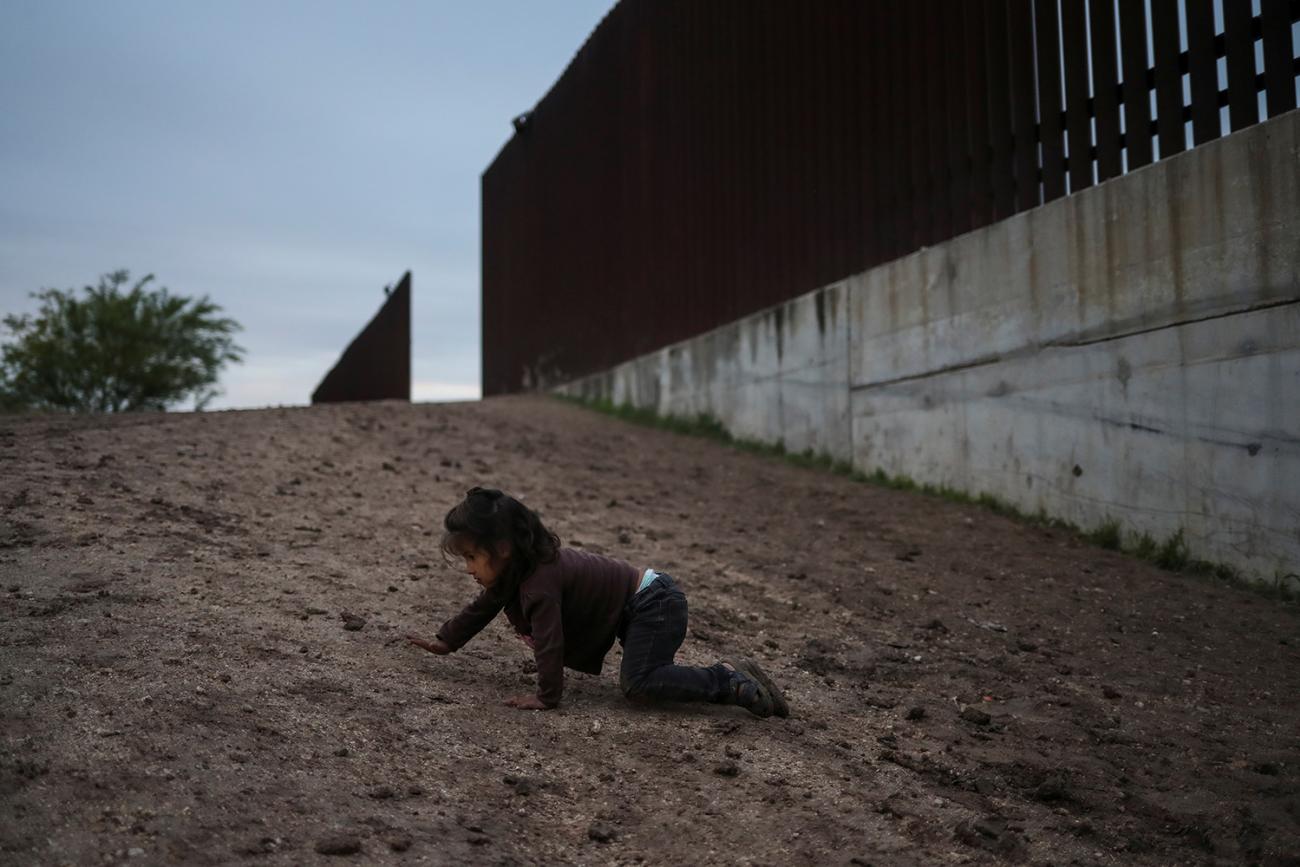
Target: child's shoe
(776, 703)
(744, 691)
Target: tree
(112, 351)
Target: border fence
(376, 365)
(700, 161)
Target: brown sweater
(571, 607)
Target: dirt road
(178, 684)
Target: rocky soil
(201, 661)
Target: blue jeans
(654, 625)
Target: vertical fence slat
(1203, 68)
(1020, 33)
(892, 155)
(978, 141)
(935, 95)
(1169, 80)
(1049, 99)
(1279, 70)
(1137, 87)
(958, 123)
(1074, 49)
(998, 98)
(913, 167)
(1105, 87)
(869, 158)
(1243, 104)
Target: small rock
(134, 852)
(339, 844)
(400, 843)
(936, 624)
(1111, 692)
(732, 752)
(352, 622)
(624, 538)
(727, 769)
(975, 715)
(341, 752)
(381, 793)
(916, 713)
(601, 833)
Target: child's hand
(526, 639)
(437, 645)
(526, 702)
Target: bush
(113, 351)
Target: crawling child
(569, 606)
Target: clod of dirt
(400, 843)
(727, 769)
(1111, 692)
(352, 622)
(602, 833)
(1055, 787)
(381, 793)
(916, 713)
(992, 835)
(339, 844)
(975, 715)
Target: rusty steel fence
(698, 161)
(376, 365)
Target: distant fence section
(697, 162)
(377, 363)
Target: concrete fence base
(1130, 353)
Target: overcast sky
(287, 158)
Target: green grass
(1108, 535)
(1171, 554)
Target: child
(569, 606)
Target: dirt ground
(178, 684)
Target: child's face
(483, 565)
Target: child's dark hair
(488, 517)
